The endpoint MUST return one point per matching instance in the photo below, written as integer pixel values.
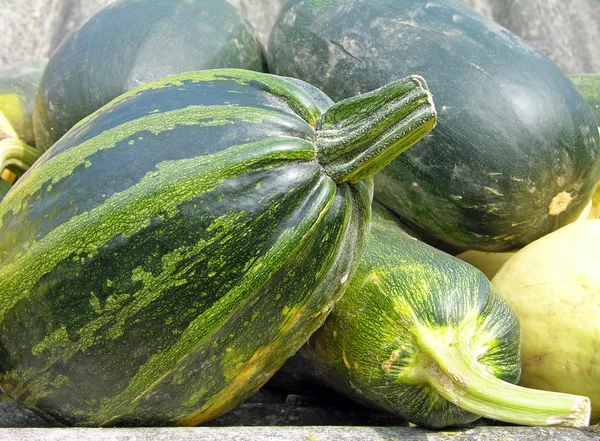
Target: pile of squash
(397, 202)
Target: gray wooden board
(256, 421)
(304, 433)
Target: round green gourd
(425, 336)
(131, 42)
(161, 261)
(515, 154)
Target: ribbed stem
(460, 379)
(359, 136)
(15, 154)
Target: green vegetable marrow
(426, 336)
(162, 260)
(516, 153)
(129, 43)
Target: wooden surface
(306, 433)
(268, 417)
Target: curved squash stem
(15, 154)
(460, 379)
(358, 136)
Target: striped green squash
(162, 260)
(425, 336)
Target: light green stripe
(301, 102)
(125, 213)
(159, 364)
(62, 165)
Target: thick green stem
(359, 136)
(459, 378)
(15, 154)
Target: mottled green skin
(18, 86)
(132, 42)
(589, 86)
(165, 257)
(512, 132)
(368, 348)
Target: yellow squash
(553, 285)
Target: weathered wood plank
(307, 433)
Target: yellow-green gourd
(553, 285)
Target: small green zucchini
(426, 336)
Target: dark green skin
(589, 86)
(512, 134)
(382, 311)
(132, 42)
(162, 312)
(18, 86)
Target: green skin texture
(132, 42)
(512, 133)
(162, 260)
(415, 332)
(589, 86)
(18, 86)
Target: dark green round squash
(130, 43)
(516, 152)
(162, 260)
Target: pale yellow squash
(488, 262)
(553, 285)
